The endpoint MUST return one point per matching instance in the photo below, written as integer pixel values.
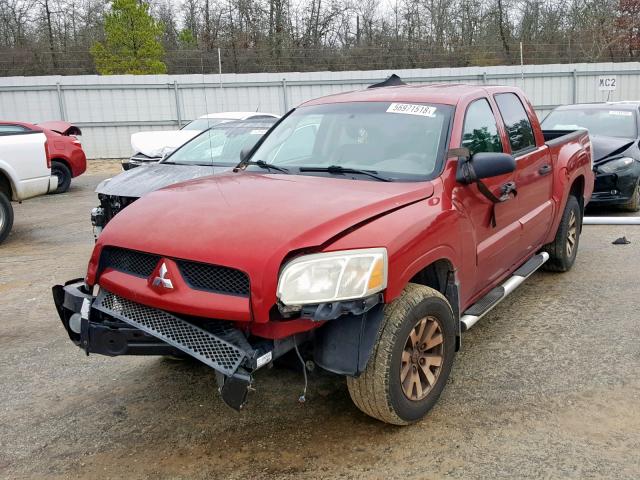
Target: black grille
(214, 278)
(129, 261)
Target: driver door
(496, 247)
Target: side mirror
(485, 165)
(244, 153)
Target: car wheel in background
(563, 250)
(411, 362)
(634, 204)
(60, 170)
(6, 217)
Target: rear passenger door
(534, 172)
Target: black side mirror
(244, 153)
(485, 165)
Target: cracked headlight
(616, 165)
(333, 276)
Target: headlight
(616, 165)
(333, 276)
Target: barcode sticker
(620, 113)
(258, 132)
(411, 109)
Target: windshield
(219, 145)
(204, 123)
(397, 140)
(599, 121)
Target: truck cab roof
(442, 93)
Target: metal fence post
(177, 95)
(63, 114)
(484, 77)
(574, 90)
(285, 100)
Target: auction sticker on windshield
(411, 109)
(621, 113)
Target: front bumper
(110, 325)
(614, 188)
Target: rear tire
(411, 361)
(60, 170)
(634, 204)
(563, 250)
(6, 217)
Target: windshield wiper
(268, 166)
(337, 169)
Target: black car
(614, 131)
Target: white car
(152, 146)
(25, 171)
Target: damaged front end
(110, 325)
(110, 206)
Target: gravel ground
(546, 386)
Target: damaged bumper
(110, 325)
(614, 188)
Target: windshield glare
(220, 145)
(401, 141)
(599, 121)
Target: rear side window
(480, 132)
(516, 122)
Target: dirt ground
(546, 386)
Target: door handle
(545, 169)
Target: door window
(480, 132)
(516, 122)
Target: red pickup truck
(374, 227)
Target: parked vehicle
(374, 226)
(25, 170)
(152, 146)
(64, 150)
(212, 151)
(614, 128)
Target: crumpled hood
(252, 221)
(604, 147)
(156, 144)
(234, 217)
(148, 178)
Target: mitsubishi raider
(374, 227)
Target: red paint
(66, 148)
(255, 222)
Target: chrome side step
(483, 306)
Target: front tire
(563, 250)
(411, 361)
(6, 217)
(60, 170)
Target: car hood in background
(604, 147)
(156, 144)
(63, 128)
(147, 178)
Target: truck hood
(605, 147)
(156, 144)
(148, 178)
(252, 221)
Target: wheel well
(440, 275)
(61, 160)
(577, 190)
(5, 186)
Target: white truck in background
(25, 172)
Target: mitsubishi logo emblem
(161, 280)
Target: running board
(483, 306)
